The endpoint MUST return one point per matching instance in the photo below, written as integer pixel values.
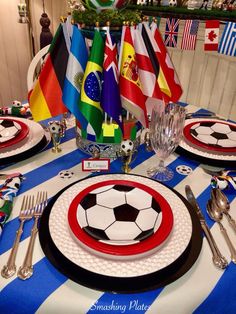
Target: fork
(26, 270)
(26, 213)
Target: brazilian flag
(90, 95)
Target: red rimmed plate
(120, 218)
(214, 135)
(18, 131)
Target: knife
(218, 259)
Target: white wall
(208, 79)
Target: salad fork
(26, 270)
(26, 213)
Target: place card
(96, 164)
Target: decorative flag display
(173, 89)
(190, 35)
(91, 86)
(110, 98)
(46, 97)
(171, 32)
(228, 40)
(148, 66)
(212, 35)
(132, 97)
(74, 75)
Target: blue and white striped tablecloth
(203, 289)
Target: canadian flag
(211, 35)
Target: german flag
(46, 97)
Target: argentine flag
(74, 75)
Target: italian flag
(45, 99)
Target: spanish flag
(132, 97)
(91, 86)
(45, 99)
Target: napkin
(8, 190)
(224, 182)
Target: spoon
(217, 216)
(222, 203)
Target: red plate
(102, 200)
(19, 136)
(204, 144)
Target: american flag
(190, 35)
(171, 32)
(228, 40)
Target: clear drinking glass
(166, 129)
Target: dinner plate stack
(209, 141)
(20, 139)
(121, 233)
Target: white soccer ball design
(184, 170)
(8, 129)
(126, 146)
(213, 133)
(112, 213)
(55, 127)
(16, 103)
(66, 174)
(172, 3)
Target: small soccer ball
(184, 170)
(112, 213)
(66, 174)
(127, 146)
(55, 127)
(172, 3)
(16, 103)
(100, 5)
(214, 133)
(8, 129)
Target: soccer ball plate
(120, 218)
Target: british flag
(171, 32)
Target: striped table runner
(203, 289)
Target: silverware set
(29, 209)
(217, 206)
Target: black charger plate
(115, 284)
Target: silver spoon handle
(231, 221)
(229, 243)
(218, 259)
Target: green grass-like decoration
(183, 11)
(114, 17)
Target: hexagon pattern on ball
(100, 5)
(119, 213)
(215, 134)
(8, 130)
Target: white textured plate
(173, 248)
(36, 134)
(205, 153)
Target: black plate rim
(99, 282)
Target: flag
(110, 98)
(45, 99)
(91, 85)
(148, 66)
(190, 35)
(132, 98)
(171, 32)
(211, 35)
(74, 75)
(170, 86)
(228, 40)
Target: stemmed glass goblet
(166, 129)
